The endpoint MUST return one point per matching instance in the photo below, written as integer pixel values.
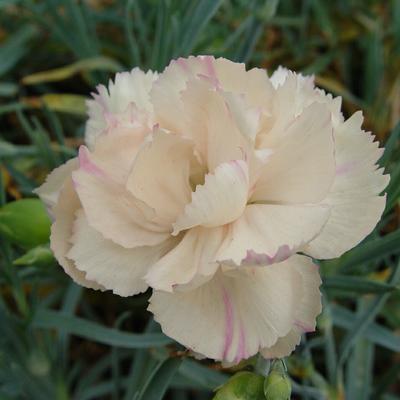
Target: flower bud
(277, 384)
(242, 386)
(25, 222)
(39, 256)
(38, 364)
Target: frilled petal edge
(237, 313)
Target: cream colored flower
(203, 183)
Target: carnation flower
(205, 183)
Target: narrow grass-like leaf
(337, 88)
(140, 363)
(374, 66)
(157, 384)
(70, 303)
(94, 374)
(11, 107)
(15, 47)
(357, 285)
(203, 376)
(395, 13)
(194, 22)
(130, 35)
(140, 24)
(253, 32)
(58, 74)
(323, 18)
(374, 332)
(371, 250)
(393, 190)
(115, 358)
(329, 340)
(96, 332)
(391, 376)
(66, 103)
(8, 89)
(159, 36)
(2, 189)
(390, 145)
(359, 367)
(364, 319)
(25, 184)
(39, 138)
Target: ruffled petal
(49, 191)
(293, 94)
(61, 231)
(115, 154)
(212, 126)
(193, 257)
(302, 166)
(220, 200)
(112, 210)
(221, 73)
(112, 104)
(235, 314)
(160, 175)
(246, 118)
(279, 76)
(284, 345)
(354, 196)
(270, 233)
(309, 308)
(253, 84)
(112, 266)
(166, 91)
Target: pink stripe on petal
(99, 98)
(182, 62)
(345, 168)
(209, 63)
(210, 70)
(75, 184)
(228, 322)
(112, 121)
(86, 163)
(241, 353)
(253, 258)
(303, 327)
(238, 164)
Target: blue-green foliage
(59, 341)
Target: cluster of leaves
(58, 341)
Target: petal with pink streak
(189, 263)
(112, 210)
(301, 168)
(354, 196)
(270, 233)
(112, 266)
(49, 191)
(305, 321)
(239, 312)
(111, 105)
(61, 231)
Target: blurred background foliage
(59, 341)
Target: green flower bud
(38, 364)
(277, 385)
(25, 222)
(242, 386)
(40, 256)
